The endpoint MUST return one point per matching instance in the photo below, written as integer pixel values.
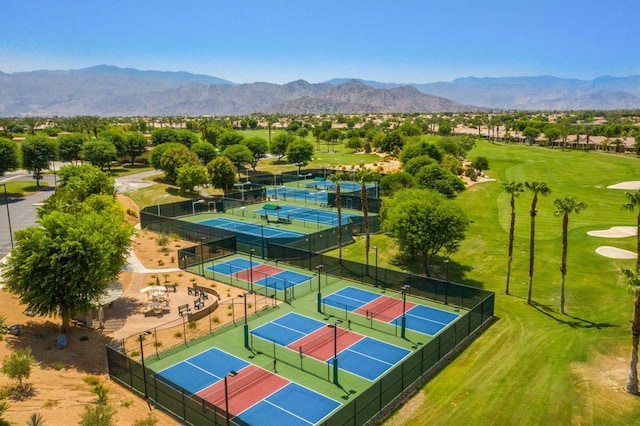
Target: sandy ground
(59, 392)
(630, 185)
(614, 232)
(615, 253)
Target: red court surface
(320, 344)
(251, 385)
(384, 308)
(259, 272)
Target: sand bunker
(614, 232)
(633, 184)
(615, 253)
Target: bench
(198, 303)
(204, 295)
(183, 310)
(284, 220)
(171, 287)
(194, 291)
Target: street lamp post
(251, 251)
(202, 256)
(335, 351)
(226, 393)
(246, 324)
(319, 268)
(144, 373)
(6, 201)
(193, 206)
(403, 323)
(376, 249)
(446, 290)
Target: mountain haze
(111, 91)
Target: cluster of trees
(63, 265)
(434, 166)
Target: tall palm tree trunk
(512, 229)
(632, 380)
(532, 246)
(563, 266)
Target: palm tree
(542, 189)
(633, 283)
(364, 176)
(337, 178)
(565, 207)
(514, 189)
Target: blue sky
(278, 41)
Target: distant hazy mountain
(108, 91)
(534, 93)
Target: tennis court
(331, 186)
(359, 355)
(420, 318)
(250, 228)
(307, 214)
(259, 273)
(253, 395)
(284, 192)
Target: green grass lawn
(21, 188)
(535, 365)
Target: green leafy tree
(531, 134)
(229, 138)
(17, 366)
(418, 149)
(424, 223)
(158, 151)
(514, 189)
(135, 145)
(391, 142)
(174, 158)
(451, 164)
(117, 137)
(259, 148)
(75, 185)
(338, 178)
(100, 153)
(66, 263)
(633, 284)
(6, 123)
(8, 155)
(163, 135)
(239, 156)
(355, 143)
(205, 151)
(70, 147)
(390, 184)
(300, 151)
(538, 188)
(222, 173)
(279, 143)
(480, 164)
(190, 176)
(186, 137)
(565, 207)
(37, 153)
(436, 177)
(414, 165)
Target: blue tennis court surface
(366, 357)
(420, 318)
(307, 214)
(250, 228)
(298, 194)
(287, 403)
(272, 277)
(344, 186)
(283, 280)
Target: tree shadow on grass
(571, 321)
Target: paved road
(22, 211)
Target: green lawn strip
(22, 188)
(155, 194)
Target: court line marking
(366, 356)
(287, 411)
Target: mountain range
(111, 91)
